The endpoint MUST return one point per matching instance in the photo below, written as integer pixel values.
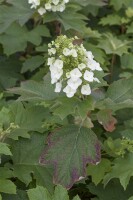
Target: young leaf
(69, 150)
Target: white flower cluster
(48, 5)
(72, 67)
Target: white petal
(69, 95)
(66, 52)
(55, 2)
(74, 53)
(58, 63)
(97, 67)
(74, 84)
(75, 74)
(58, 87)
(41, 11)
(89, 55)
(88, 76)
(51, 60)
(69, 91)
(86, 90)
(81, 66)
(48, 6)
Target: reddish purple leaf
(69, 150)
(106, 119)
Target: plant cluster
(66, 100)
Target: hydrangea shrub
(66, 99)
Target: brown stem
(112, 67)
(57, 28)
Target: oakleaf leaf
(38, 193)
(122, 169)
(32, 90)
(7, 186)
(97, 172)
(80, 146)
(41, 193)
(4, 149)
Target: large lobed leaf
(25, 161)
(69, 150)
(19, 36)
(122, 169)
(40, 193)
(119, 95)
(32, 90)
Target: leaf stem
(112, 67)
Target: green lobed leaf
(25, 166)
(112, 19)
(119, 95)
(40, 193)
(32, 63)
(9, 72)
(113, 191)
(113, 45)
(7, 186)
(4, 149)
(19, 36)
(5, 173)
(27, 119)
(97, 172)
(35, 91)
(19, 11)
(80, 147)
(74, 106)
(21, 195)
(119, 4)
(121, 90)
(122, 169)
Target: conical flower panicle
(71, 65)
